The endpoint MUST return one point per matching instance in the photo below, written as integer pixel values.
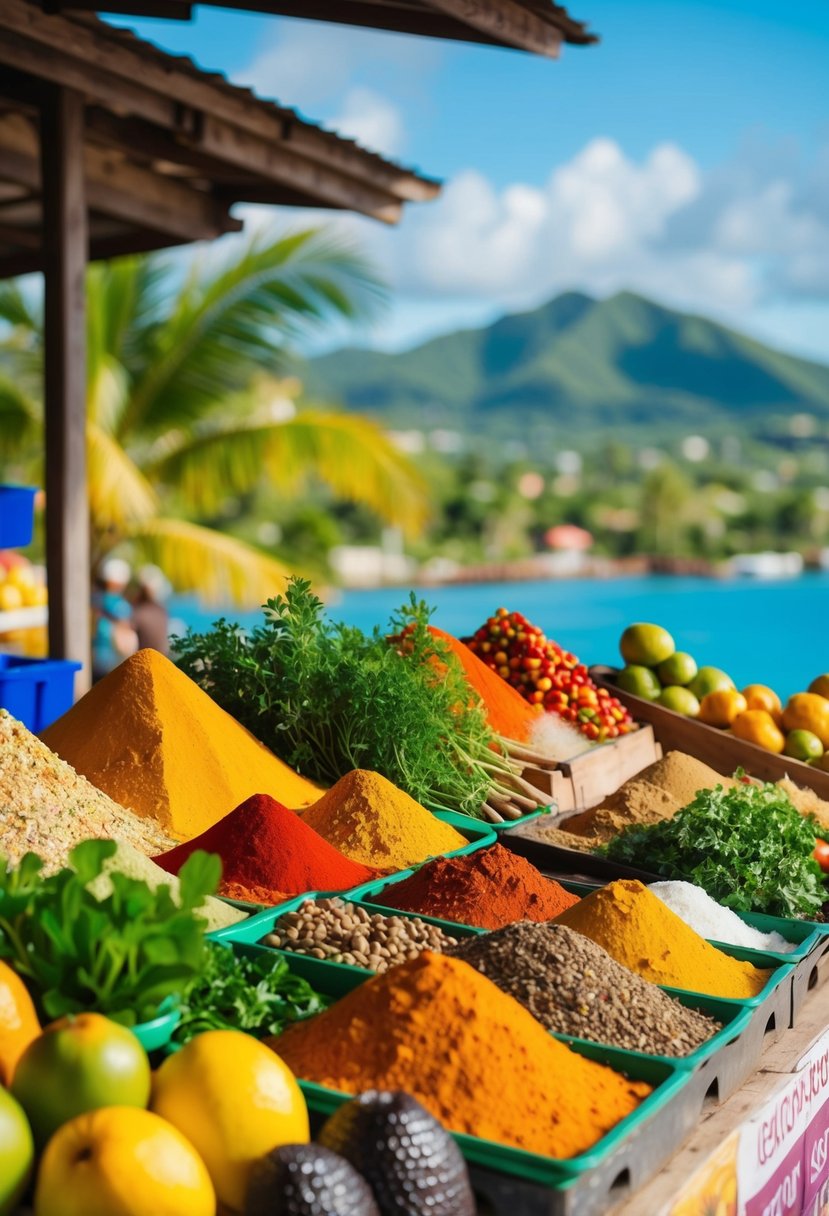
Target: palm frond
(349, 454)
(222, 569)
(120, 496)
(19, 418)
(227, 326)
(18, 308)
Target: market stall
(306, 878)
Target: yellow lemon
(234, 1100)
(720, 708)
(760, 696)
(758, 726)
(808, 711)
(121, 1161)
(18, 1022)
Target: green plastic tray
(497, 828)
(157, 1033)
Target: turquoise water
(760, 632)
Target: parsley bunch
(748, 847)
(240, 992)
(328, 698)
(120, 955)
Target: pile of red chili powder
(489, 888)
(268, 853)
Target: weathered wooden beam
(122, 190)
(506, 21)
(67, 499)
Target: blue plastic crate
(36, 691)
(17, 505)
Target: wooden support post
(65, 256)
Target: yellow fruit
(820, 685)
(17, 1153)
(720, 708)
(18, 1022)
(646, 645)
(234, 1100)
(11, 597)
(808, 711)
(760, 696)
(120, 1161)
(758, 726)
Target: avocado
(412, 1164)
(307, 1180)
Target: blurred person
(150, 618)
(113, 637)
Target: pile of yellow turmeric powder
(371, 821)
(640, 932)
(474, 1057)
(151, 739)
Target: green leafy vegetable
(260, 995)
(328, 698)
(748, 847)
(121, 954)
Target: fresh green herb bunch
(748, 847)
(260, 995)
(120, 955)
(328, 698)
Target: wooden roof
(539, 26)
(168, 148)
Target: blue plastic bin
(17, 507)
(36, 691)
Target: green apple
(640, 681)
(709, 679)
(17, 1153)
(646, 645)
(803, 745)
(680, 668)
(76, 1065)
(680, 699)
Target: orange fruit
(760, 696)
(18, 1022)
(820, 685)
(808, 711)
(235, 1100)
(721, 707)
(122, 1161)
(758, 726)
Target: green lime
(640, 681)
(680, 668)
(681, 700)
(709, 679)
(646, 645)
(803, 745)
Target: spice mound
(710, 919)
(472, 1055)
(574, 987)
(488, 888)
(641, 933)
(375, 823)
(268, 853)
(347, 933)
(150, 738)
(47, 808)
(506, 710)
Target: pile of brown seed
(347, 933)
(574, 987)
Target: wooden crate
(717, 748)
(584, 781)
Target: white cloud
(372, 120)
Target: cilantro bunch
(120, 955)
(328, 698)
(241, 992)
(748, 847)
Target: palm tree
(185, 408)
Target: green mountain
(578, 364)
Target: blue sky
(686, 156)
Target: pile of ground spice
(47, 808)
(507, 712)
(373, 822)
(268, 853)
(152, 739)
(574, 987)
(476, 1059)
(806, 801)
(641, 933)
(488, 888)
